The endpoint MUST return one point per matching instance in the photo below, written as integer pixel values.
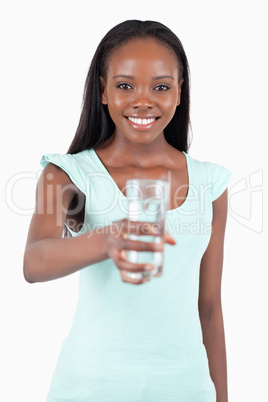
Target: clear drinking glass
(147, 202)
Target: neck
(123, 152)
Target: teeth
(141, 121)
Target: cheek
(116, 101)
(170, 104)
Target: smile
(141, 122)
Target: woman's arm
(49, 256)
(210, 309)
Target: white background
(45, 54)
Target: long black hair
(95, 125)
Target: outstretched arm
(49, 256)
(210, 309)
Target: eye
(124, 86)
(162, 88)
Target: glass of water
(147, 202)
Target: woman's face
(141, 89)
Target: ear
(103, 91)
(179, 92)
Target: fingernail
(148, 267)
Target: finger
(169, 239)
(135, 279)
(124, 265)
(142, 228)
(133, 244)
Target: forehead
(143, 54)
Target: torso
(174, 169)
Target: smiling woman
(141, 91)
(132, 340)
(96, 124)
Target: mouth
(142, 122)
(139, 123)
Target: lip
(142, 127)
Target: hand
(118, 243)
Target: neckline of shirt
(122, 195)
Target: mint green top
(141, 343)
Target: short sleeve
(67, 163)
(219, 180)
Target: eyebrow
(131, 77)
(160, 77)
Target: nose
(143, 101)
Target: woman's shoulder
(212, 174)
(206, 166)
(66, 159)
(75, 166)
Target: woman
(163, 340)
